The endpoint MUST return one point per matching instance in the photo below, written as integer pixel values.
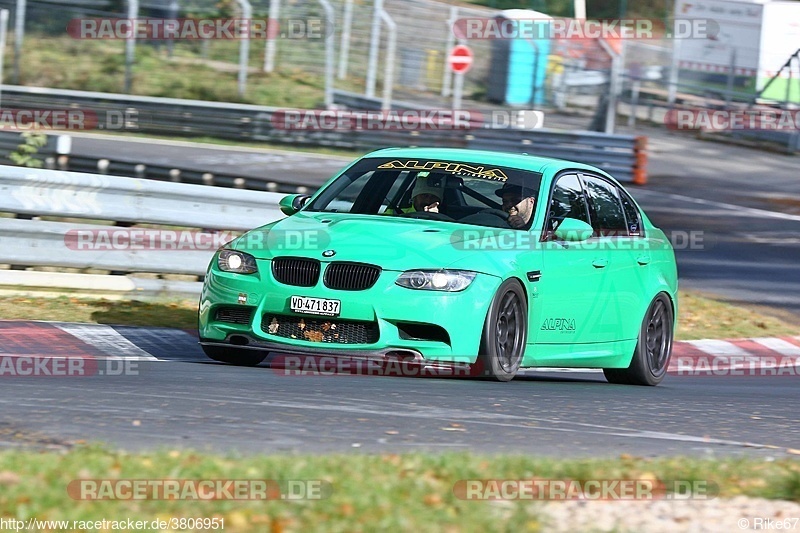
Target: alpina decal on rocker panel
(559, 324)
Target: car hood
(391, 242)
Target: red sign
(460, 59)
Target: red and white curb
(98, 341)
(712, 356)
(759, 356)
(59, 339)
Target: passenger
(426, 197)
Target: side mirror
(291, 204)
(573, 230)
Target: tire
(653, 349)
(233, 356)
(504, 335)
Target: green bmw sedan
(451, 258)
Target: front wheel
(232, 356)
(653, 349)
(504, 333)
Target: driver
(519, 202)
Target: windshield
(456, 191)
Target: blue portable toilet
(519, 63)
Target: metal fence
(418, 63)
(423, 36)
(619, 155)
(110, 205)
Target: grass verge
(700, 317)
(363, 491)
(176, 314)
(60, 62)
(703, 317)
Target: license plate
(315, 306)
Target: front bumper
(387, 306)
(246, 341)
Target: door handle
(643, 259)
(600, 263)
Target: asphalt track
(214, 407)
(741, 202)
(144, 388)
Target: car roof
(514, 160)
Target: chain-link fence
(51, 55)
(290, 69)
(419, 62)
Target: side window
(631, 215)
(608, 218)
(567, 200)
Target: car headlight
(239, 262)
(436, 280)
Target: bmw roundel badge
(328, 253)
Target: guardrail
(788, 140)
(613, 153)
(616, 154)
(114, 204)
(175, 174)
(56, 155)
(359, 101)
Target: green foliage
(112, 64)
(88, 65)
(227, 8)
(25, 154)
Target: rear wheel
(653, 349)
(233, 356)
(504, 333)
